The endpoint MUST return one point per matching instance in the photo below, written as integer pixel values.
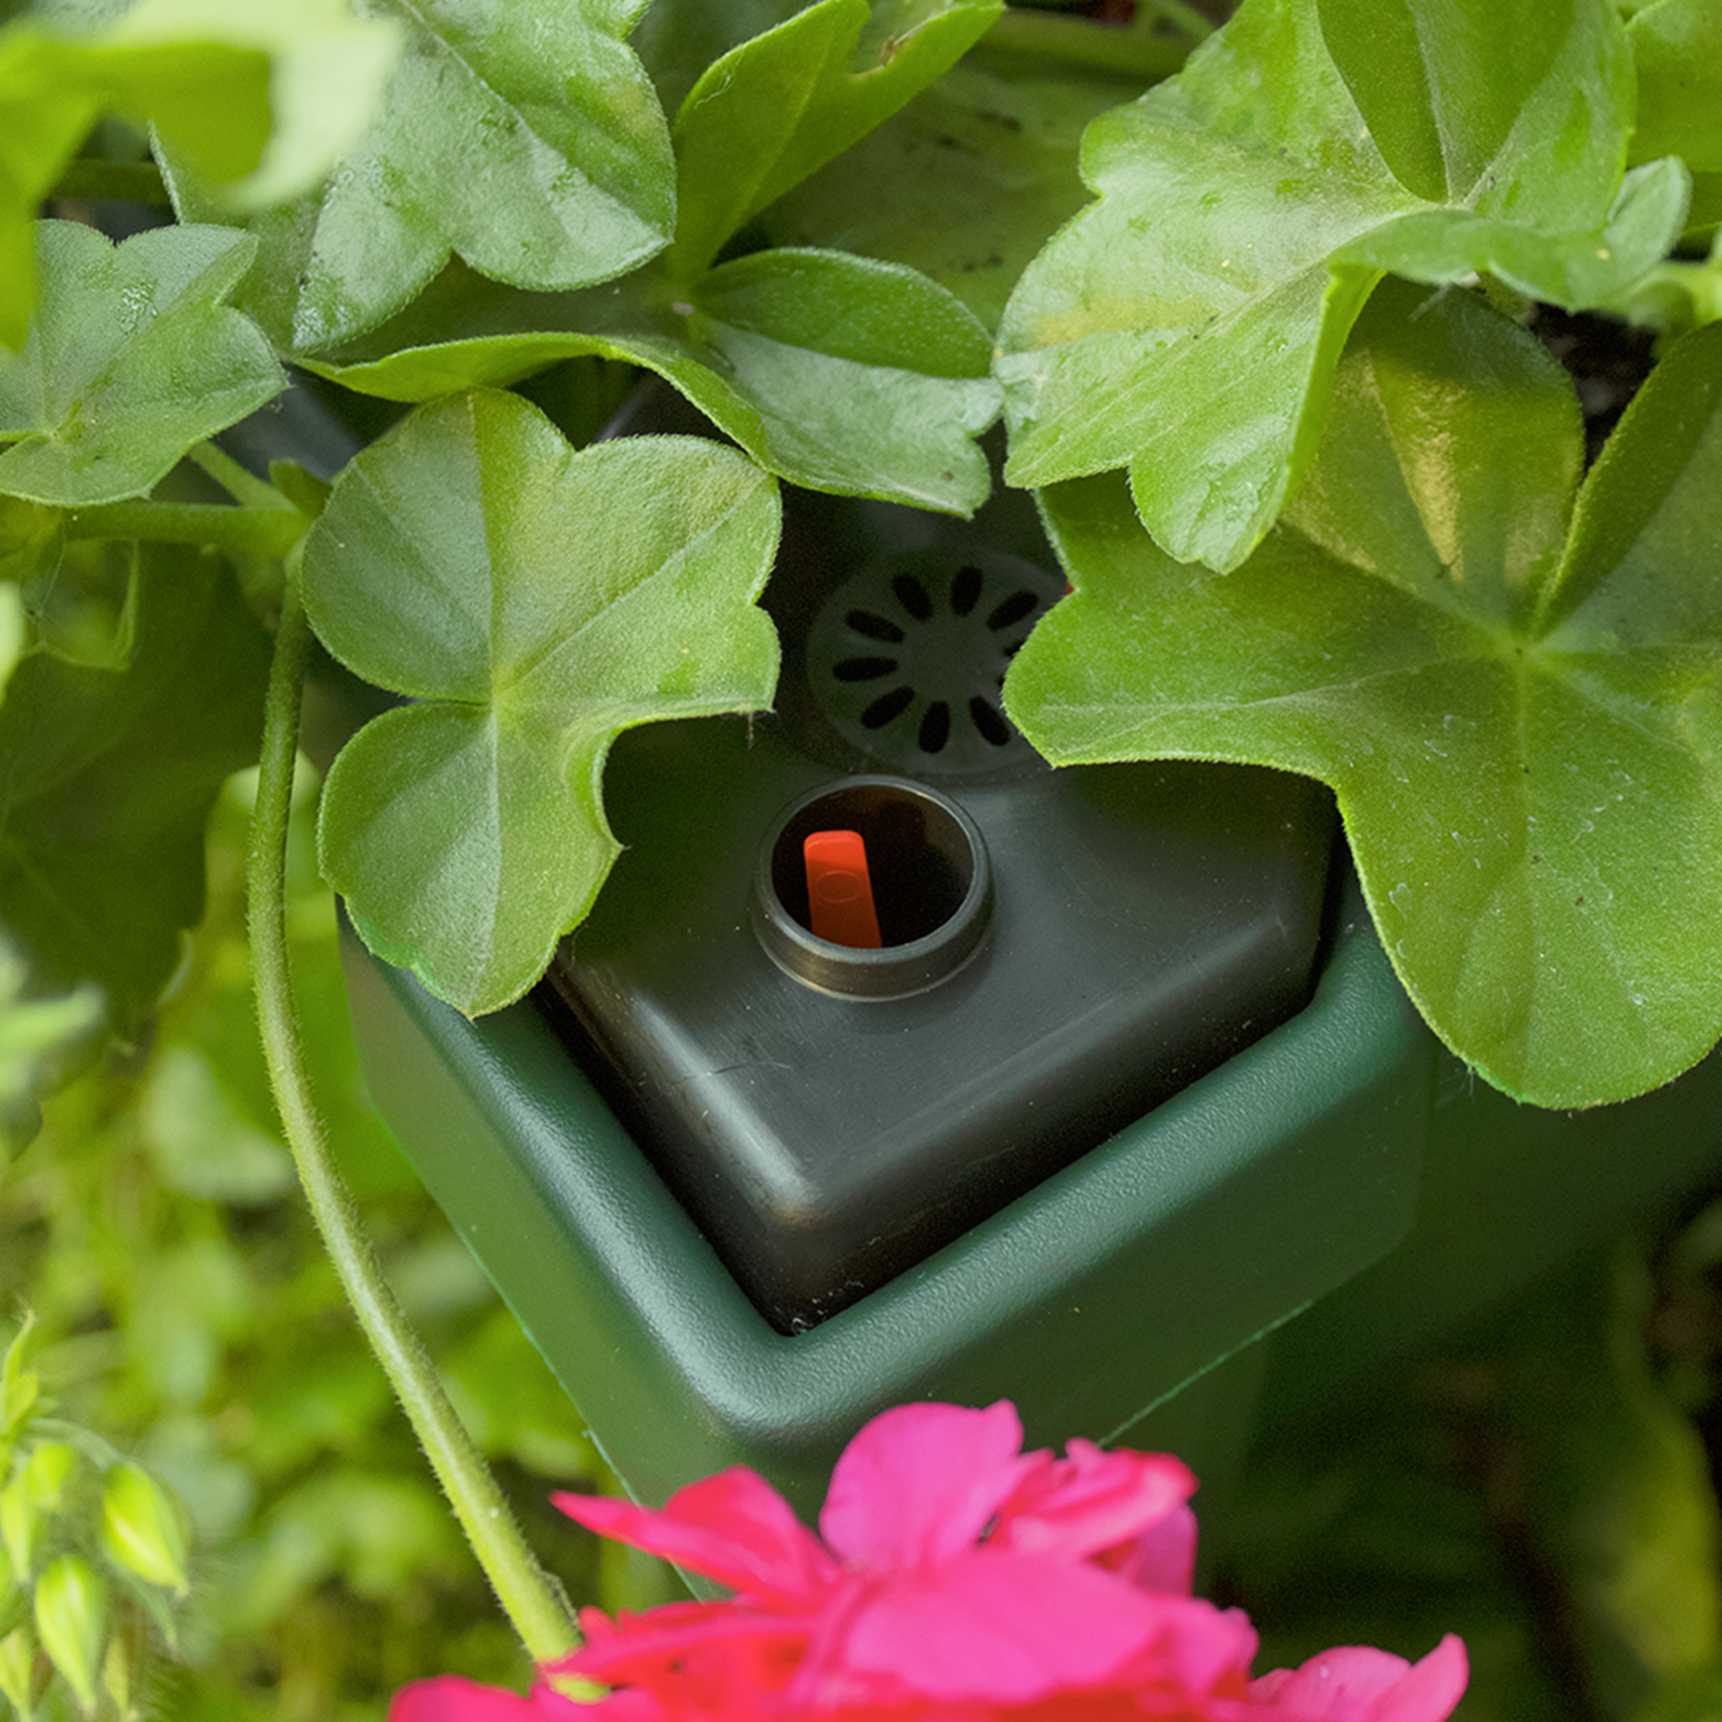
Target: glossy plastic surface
(1146, 924)
(1509, 1193)
(1062, 950)
(1089, 1300)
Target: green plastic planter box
(1097, 1296)
(1342, 1162)
(1339, 1165)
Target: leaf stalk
(530, 1597)
(247, 531)
(1144, 48)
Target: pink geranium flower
(955, 1577)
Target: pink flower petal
(733, 1527)
(641, 1648)
(1197, 1648)
(1092, 1501)
(1356, 1684)
(452, 1700)
(989, 1625)
(1163, 1558)
(920, 1483)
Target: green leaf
(1696, 1700)
(1677, 46)
(679, 39)
(1403, 1542)
(1617, 1491)
(109, 780)
(79, 596)
(38, 1039)
(32, 541)
(20, 1385)
(1188, 324)
(1524, 727)
(201, 1138)
(966, 184)
(133, 360)
(202, 1300)
(538, 601)
(513, 1405)
(526, 140)
(327, 71)
(13, 633)
(771, 111)
(258, 100)
(1706, 215)
(833, 372)
(1677, 296)
(376, 1531)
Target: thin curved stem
(532, 1600)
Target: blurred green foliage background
(1547, 1486)
(188, 1314)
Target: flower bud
(47, 1472)
(18, 1671)
(72, 1622)
(117, 1679)
(143, 1530)
(19, 1521)
(19, 1386)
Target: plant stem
(532, 1600)
(1143, 48)
(1195, 23)
(271, 531)
(241, 484)
(88, 179)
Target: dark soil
(1608, 360)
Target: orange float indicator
(840, 890)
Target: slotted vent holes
(907, 659)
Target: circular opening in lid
(931, 886)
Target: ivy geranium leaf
(1187, 324)
(32, 541)
(258, 99)
(967, 183)
(1518, 704)
(525, 139)
(1619, 1502)
(679, 39)
(836, 373)
(535, 602)
(133, 359)
(108, 780)
(1678, 295)
(1677, 45)
(84, 608)
(78, 597)
(774, 109)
